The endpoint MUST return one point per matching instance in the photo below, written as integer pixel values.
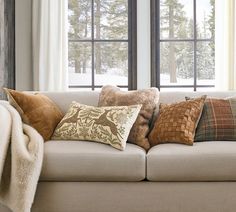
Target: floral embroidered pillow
(108, 125)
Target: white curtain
(50, 45)
(225, 45)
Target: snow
(165, 80)
(100, 79)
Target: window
(102, 43)
(183, 46)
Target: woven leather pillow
(218, 120)
(177, 122)
(148, 98)
(36, 110)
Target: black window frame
(132, 47)
(155, 48)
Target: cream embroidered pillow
(108, 125)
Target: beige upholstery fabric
(204, 161)
(135, 197)
(89, 161)
(64, 99)
(171, 97)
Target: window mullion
(92, 27)
(195, 45)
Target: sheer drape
(50, 44)
(225, 40)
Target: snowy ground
(113, 79)
(100, 79)
(165, 80)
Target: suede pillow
(177, 122)
(36, 110)
(108, 125)
(148, 98)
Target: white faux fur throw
(21, 156)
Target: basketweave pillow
(36, 110)
(148, 98)
(108, 125)
(176, 123)
(218, 120)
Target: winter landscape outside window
(102, 43)
(183, 46)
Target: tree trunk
(98, 36)
(172, 62)
(85, 54)
(77, 66)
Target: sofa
(81, 176)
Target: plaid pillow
(218, 120)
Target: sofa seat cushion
(89, 161)
(204, 161)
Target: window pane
(79, 15)
(206, 89)
(205, 18)
(99, 89)
(111, 63)
(80, 89)
(206, 63)
(111, 19)
(176, 19)
(80, 63)
(177, 89)
(176, 63)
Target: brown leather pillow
(36, 110)
(148, 98)
(177, 122)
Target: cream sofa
(92, 177)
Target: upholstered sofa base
(134, 197)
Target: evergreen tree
(173, 24)
(79, 21)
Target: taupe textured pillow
(148, 98)
(36, 110)
(108, 125)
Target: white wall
(23, 45)
(24, 51)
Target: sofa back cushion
(173, 97)
(64, 99)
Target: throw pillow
(109, 125)
(218, 120)
(36, 110)
(148, 98)
(177, 122)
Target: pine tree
(79, 20)
(173, 24)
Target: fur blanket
(21, 156)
